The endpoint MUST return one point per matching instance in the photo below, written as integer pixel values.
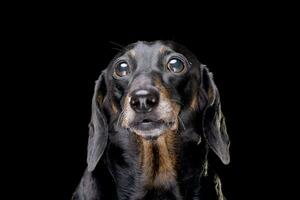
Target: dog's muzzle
(148, 110)
(143, 102)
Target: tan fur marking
(114, 108)
(132, 53)
(194, 103)
(100, 99)
(124, 118)
(165, 174)
(147, 161)
(165, 96)
(162, 49)
(158, 84)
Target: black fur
(114, 170)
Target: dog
(156, 114)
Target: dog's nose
(144, 100)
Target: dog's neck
(158, 167)
(158, 161)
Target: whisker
(117, 49)
(118, 45)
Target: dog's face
(150, 83)
(151, 89)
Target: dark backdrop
(63, 51)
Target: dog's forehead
(146, 48)
(147, 51)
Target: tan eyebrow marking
(131, 53)
(162, 49)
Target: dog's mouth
(147, 124)
(150, 128)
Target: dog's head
(152, 88)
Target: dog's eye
(122, 69)
(175, 65)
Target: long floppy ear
(213, 121)
(98, 131)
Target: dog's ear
(213, 121)
(98, 131)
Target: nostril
(151, 101)
(134, 102)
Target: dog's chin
(150, 134)
(150, 130)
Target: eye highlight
(175, 65)
(122, 69)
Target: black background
(62, 50)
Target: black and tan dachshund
(156, 113)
